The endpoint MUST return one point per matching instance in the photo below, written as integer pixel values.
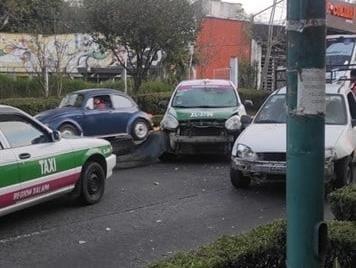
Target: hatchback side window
(19, 132)
(120, 102)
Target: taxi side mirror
(56, 136)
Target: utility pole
(306, 231)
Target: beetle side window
(102, 102)
(19, 132)
(120, 102)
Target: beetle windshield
(274, 111)
(205, 97)
(339, 51)
(72, 100)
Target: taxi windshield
(72, 100)
(205, 97)
(274, 111)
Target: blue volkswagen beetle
(104, 113)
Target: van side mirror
(246, 120)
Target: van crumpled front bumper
(259, 167)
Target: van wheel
(92, 183)
(343, 172)
(238, 180)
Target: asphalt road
(147, 213)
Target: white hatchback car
(260, 150)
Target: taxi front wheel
(92, 183)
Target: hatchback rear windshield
(205, 97)
(274, 111)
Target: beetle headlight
(169, 122)
(244, 152)
(233, 123)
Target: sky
(254, 6)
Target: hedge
(264, 246)
(343, 203)
(32, 106)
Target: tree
(137, 30)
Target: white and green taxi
(36, 164)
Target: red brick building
(220, 40)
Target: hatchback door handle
(25, 156)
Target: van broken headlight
(233, 123)
(169, 122)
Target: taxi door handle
(24, 156)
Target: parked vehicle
(203, 116)
(36, 164)
(104, 113)
(260, 150)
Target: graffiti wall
(70, 53)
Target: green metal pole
(306, 232)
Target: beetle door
(98, 116)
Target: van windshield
(274, 111)
(205, 97)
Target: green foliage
(151, 102)
(32, 106)
(155, 87)
(343, 203)
(264, 246)
(143, 28)
(247, 75)
(36, 16)
(24, 87)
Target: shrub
(264, 246)
(32, 106)
(155, 87)
(343, 203)
(151, 102)
(11, 87)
